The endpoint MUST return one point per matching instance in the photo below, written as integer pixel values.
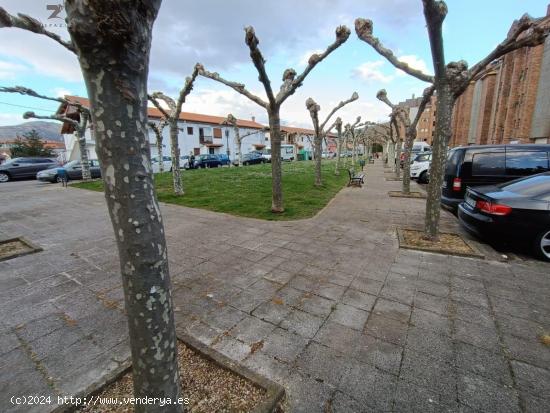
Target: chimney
(253, 118)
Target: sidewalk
(345, 320)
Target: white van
(418, 148)
(287, 152)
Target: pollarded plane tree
(320, 132)
(232, 121)
(349, 134)
(79, 125)
(116, 80)
(410, 130)
(158, 128)
(172, 116)
(450, 81)
(291, 82)
(339, 142)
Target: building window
(189, 130)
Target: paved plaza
(343, 319)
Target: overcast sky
(211, 32)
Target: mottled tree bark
(158, 129)
(116, 79)
(338, 126)
(291, 82)
(79, 126)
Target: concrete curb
(402, 244)
(32, 247)
(274, 392)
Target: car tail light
(492, 208)
(457, 184)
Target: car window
(452, 162)
(531, 186)
(423, 157)
(71, 164)
(526, 162)
(488, 164)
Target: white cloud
(413, 61)
(222, 102)
(8, 119)
(61, 92)
(370, 71)
(10, 70)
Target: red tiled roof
(187, 116)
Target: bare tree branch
(364, 30)
(25, 22)
(154, 99)
(291, 83)
(29, 115)
(343, 103)
(188, 87)
(428, 92)
(30, 92)
(259, 62)
(525, 32)
(238, 87)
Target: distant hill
(47, 130)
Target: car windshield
(422, 158)
(531, 186)
(14, 160)
(71, 164)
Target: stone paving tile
(369, 386)
(386, 329)
(412, 398)
(323, 363)
(302, 323)
(483, 363)
(349, 316)
(367, 327)
(486, 395)
(533, 379)
(379, 353)
(435, 375)
(359, 299)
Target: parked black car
(207, 161)
(17, 168)
(224, 159)
(251, 158)
(514, 211)
(73, 170)
(471, 166)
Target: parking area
(335, 311)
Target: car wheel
(423, 178)
(58, 179)
(542, 245)
(4, 177)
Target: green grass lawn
(246, 191)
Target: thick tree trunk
(276, 162)
(338, 154)
(175, 153)
(80, 135)
(159, 152)
(397, 158)
(318, 140)
(443, 130)
(409, 141)
(116, 79)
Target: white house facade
(198, 134)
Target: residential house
(199, 134)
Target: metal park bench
(356, 179)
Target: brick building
(509, 101)
(425, 129)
